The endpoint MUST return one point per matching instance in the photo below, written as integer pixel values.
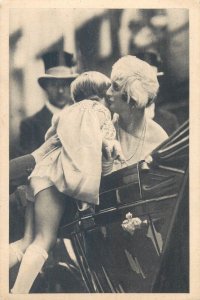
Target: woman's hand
(48, 146)
(112, 150)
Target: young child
(75, 169)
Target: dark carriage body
(155, 257)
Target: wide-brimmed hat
(58, 65)
(153, 58)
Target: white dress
(75, 168)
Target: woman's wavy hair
(136, 79)
(90, 85)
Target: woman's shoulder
(155, 132)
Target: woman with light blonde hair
(134, 87)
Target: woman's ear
(125, 97)
(132, 103)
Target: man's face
(58, 92)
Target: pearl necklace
(141, 140)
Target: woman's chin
(111, 108)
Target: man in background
(59, 74)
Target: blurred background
(97, 37)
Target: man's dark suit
(33, 130)
(20, 168)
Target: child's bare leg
(49, 207)
(17, 249)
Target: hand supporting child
(112, 150)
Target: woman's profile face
(115, 98)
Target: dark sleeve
(27, 138)
(20, 168)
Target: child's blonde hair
(89, 85)
(137, 79)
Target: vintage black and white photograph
(99, 150)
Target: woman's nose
(109, 92)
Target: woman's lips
(109, 101)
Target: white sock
(32, 262)
(15, 253)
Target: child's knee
(46, 241)
(27, 240)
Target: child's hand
(112, 150)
